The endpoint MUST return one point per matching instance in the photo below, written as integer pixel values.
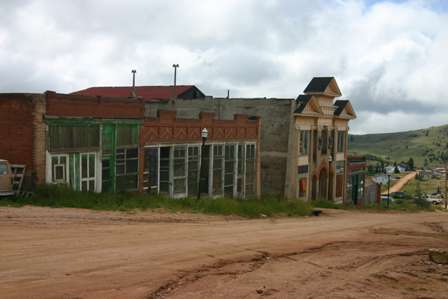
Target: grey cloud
(255, 48)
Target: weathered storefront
(173, 155)
(93, 154)
(92, 144)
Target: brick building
(100, 143)
(22, 133)
(148, 138)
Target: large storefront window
(228, 170)
(250, 169)
(180, 171)
(127, 169)
(165, 173)
(229, 175)
(193, 170)
(218, 169)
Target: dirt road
(69, 253)
(401, 182)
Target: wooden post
(446, 186)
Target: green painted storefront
(98, 155)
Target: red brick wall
(16, 129)
(86, 106)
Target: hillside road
(401, 182)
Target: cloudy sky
(389, 57)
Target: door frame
(88, 179)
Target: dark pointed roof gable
(302, 101)
(344, 105)
(340, 105)
(318, 84)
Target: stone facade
(319, 151)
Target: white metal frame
(51, 168)
(173, 178)
(198, 146)
(212, 158)
(210, 171)
(88, 178)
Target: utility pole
(446, 186)
(444, 158)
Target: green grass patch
(60, 196)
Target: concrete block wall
(275, 117)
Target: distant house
(391, 169)
(147, 93)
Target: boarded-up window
(73, 138)
(127, 135)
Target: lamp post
(204, 136)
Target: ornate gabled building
(318, 150)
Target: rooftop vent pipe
(134, 92)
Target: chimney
(134, 92)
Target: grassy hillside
(422, 145)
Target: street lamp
(204, 136)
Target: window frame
(65, 180)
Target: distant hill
(424, 146)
